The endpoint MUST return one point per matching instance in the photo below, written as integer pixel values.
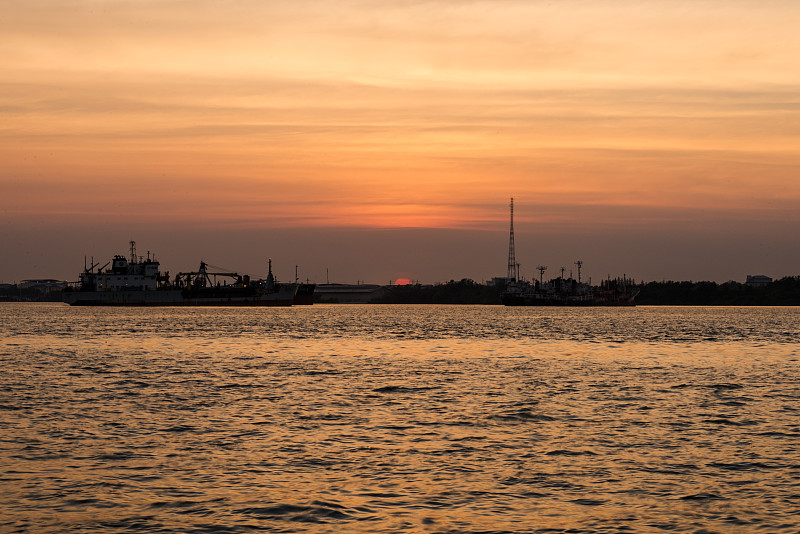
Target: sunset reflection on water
(404, 418)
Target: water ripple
(399, 419)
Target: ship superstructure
(134, 274)
(570, 292)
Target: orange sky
(250, 115)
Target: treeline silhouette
(783, 292)
(463, 291)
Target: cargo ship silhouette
(138, 281)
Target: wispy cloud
(401, 114)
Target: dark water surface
(399, 419)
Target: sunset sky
(383, 139)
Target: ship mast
(512, 261)
(579, 263)
(541, 269)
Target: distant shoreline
(782, 292)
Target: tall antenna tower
(133, 251)
(512, 261)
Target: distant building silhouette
(349, 293)
(43, 284)
(758, 280)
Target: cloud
(412, 114)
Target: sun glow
(400, 115)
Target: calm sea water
(468, 419)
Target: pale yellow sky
(383, 114)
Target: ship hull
(177, 297)
(555, 303)
(304, 296)
(538, 299)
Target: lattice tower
(512, 261)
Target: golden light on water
(370, 418)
